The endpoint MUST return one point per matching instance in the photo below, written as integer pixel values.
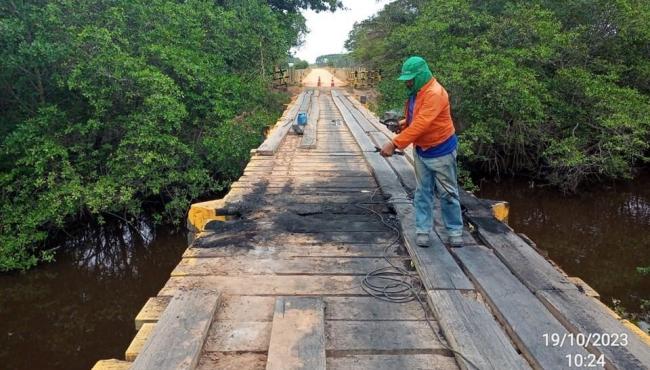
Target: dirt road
(325, 76)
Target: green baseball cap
(411, 67)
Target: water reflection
(110, 249)
(70, 313)
(600, 235)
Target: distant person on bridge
(429, 127)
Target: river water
(79, 309)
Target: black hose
(395, 284)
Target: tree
(555, 90)
(111, 106)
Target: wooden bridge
(276, 276)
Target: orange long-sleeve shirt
(431, 123)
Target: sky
(328, 31)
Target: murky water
(79, 309)
(601, 235)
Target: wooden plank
(471, 330)
(281, 222)
(523, 315)
(305, 176)
(305, 187)
(305, 172)
(357, 132)
(112, 364)
(298, 334)
(312, 158)
(358, 336)
(246, 265)
(260, 192)
(269, 285)
(231, 308)
(238, 336)
(261, 236)
(138, 342)
(392, 362)
(332, 209)
(585, 316)
(281, 198)
(273, 141)
(323, 182)
(371, 309)
(358, 116)
(315, 166)
(245, 308)
(151, 311)
(248, 308)
(232, 361)
(177, 338)
(313, 250)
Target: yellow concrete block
(138, 342)
(501, 210)
(112, 364)
(202, 213)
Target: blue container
(302, 119)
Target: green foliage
(109, 106)
(553, 89)
(334, 60)
(298, 63)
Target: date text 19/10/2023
(585, 340)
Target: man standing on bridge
(429, 127)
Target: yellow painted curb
(501, 210)
(202, 213)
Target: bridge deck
(274, 278)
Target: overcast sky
(328, 31)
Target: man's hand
(388, 150)
(402, 124)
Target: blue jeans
(437, 175)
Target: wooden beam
(112, 364)
(228, 266)
(315, 285)
(392, 362)
(586, 316)
(470, 330)
(275, 138)
(151, 311)
(177, 339)
(138, 341)
(298, 334)
(522, 314)
(308, 140)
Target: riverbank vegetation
(558, 91)
(107, 107)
